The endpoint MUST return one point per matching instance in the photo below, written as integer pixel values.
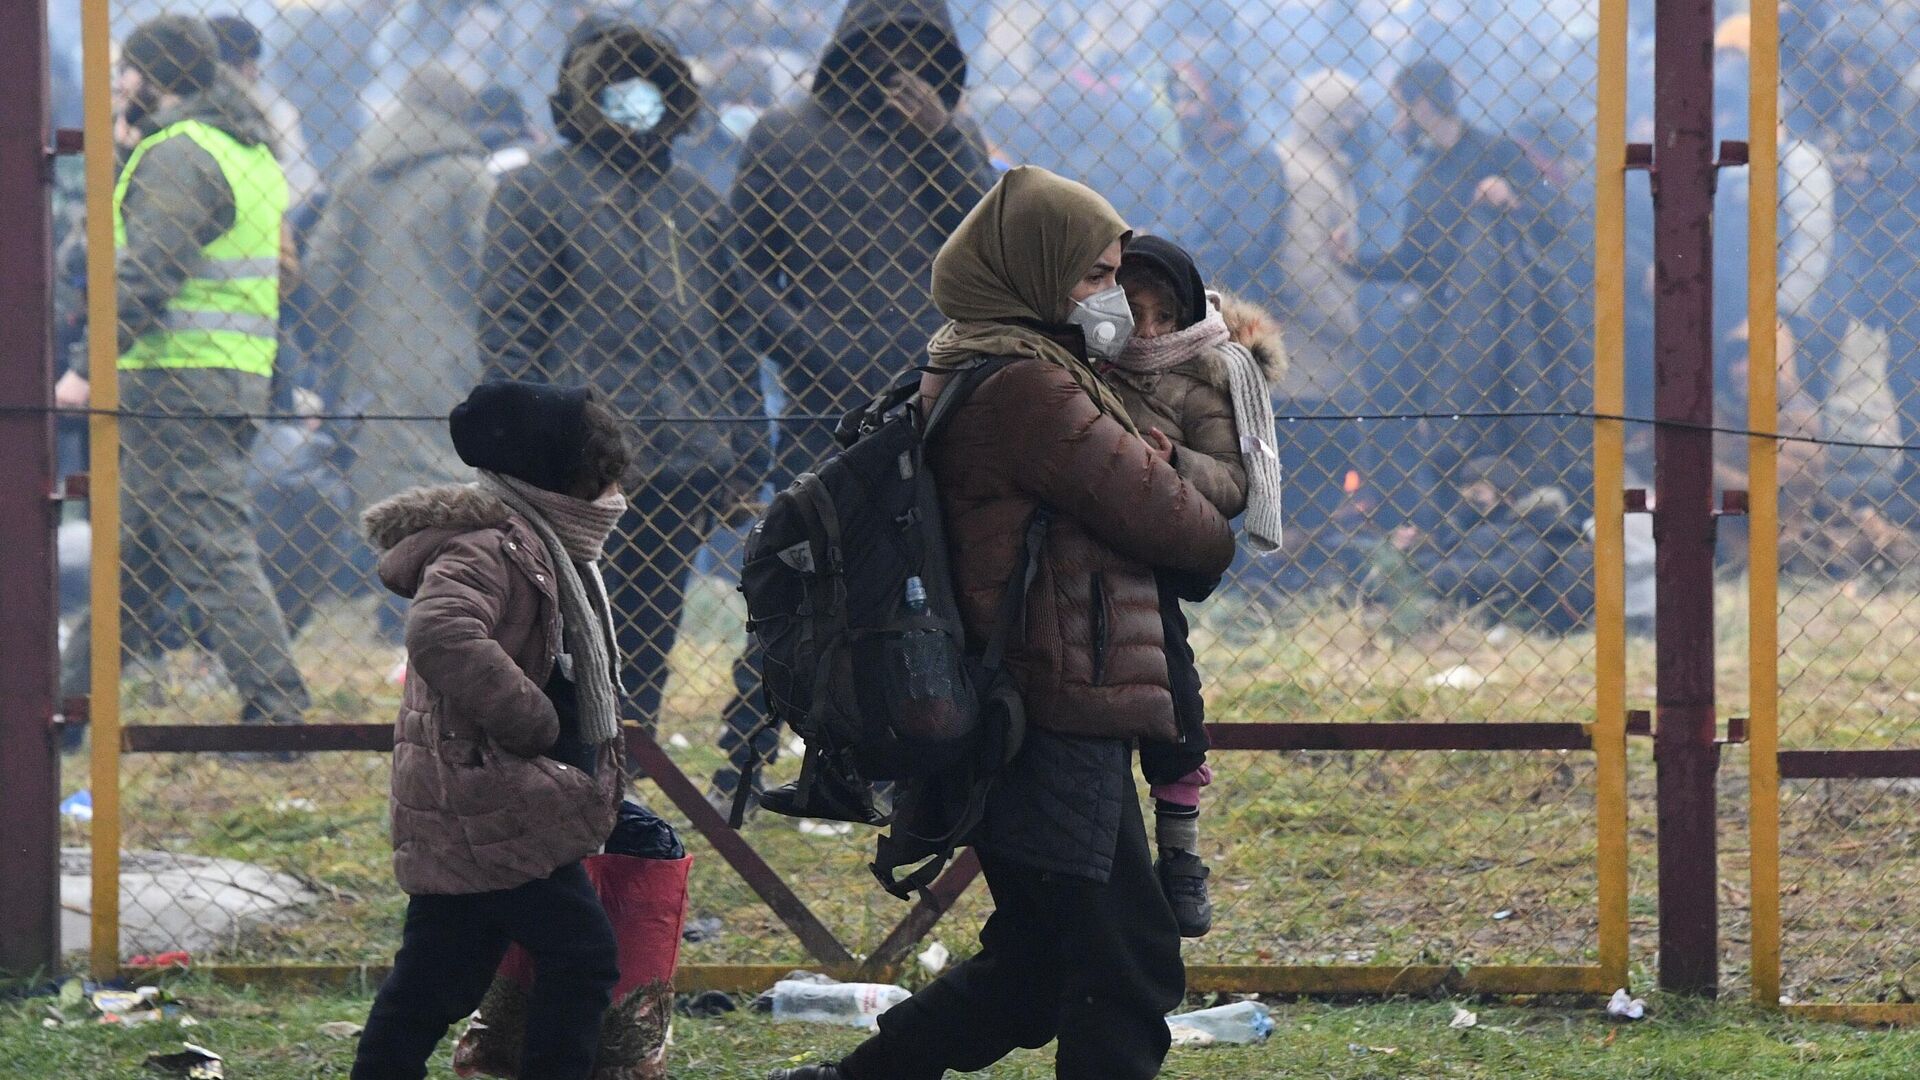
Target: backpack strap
(966, 379)
(933, 853)
(892, 853)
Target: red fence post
(1685, 754)
(29, 762)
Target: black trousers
(1168, 762)
(448, 953)
(1094, 965)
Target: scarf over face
(1004, 276)
(1157, 356)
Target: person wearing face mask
(842, 200)
(604, 266)
(1082, 945)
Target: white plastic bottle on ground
(849, 1004)
(1240, 1022)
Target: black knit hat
(239, 39)
(177, 53)
(1169, 261)
(528, 430)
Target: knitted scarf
(575, 532)
(1157, 356)
(1253, 419)
(1252, 410)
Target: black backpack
(859, 643)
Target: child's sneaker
(1183, 877)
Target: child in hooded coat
(1174, 379)
(507, 755)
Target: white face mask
(1106, 320)
(634, 104)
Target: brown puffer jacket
(1192, 406)
(1094, 659)
(475, 806)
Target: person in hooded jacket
(393, 268)
(506, 758)
(1082, 945)
(395, 263)
(841, 200)
(604, 265)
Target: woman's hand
(1161, 446)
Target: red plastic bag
(646, 900)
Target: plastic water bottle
(1240, 1022)
(924, 653)
(848, 1004)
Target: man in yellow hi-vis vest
(198, 221)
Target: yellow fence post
(103, 487)
(1763, 539)
(1609, 495)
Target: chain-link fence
(1835, 791)
(335, 218)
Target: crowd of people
(723, 216)
(671, 247)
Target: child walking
(1194, 378)
(507, 757)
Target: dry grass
(1348, 858)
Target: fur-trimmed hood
(623, 51)
(1255, 329)
(449, 506)
(409, 528)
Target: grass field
(1369, 858)
(277, 1036)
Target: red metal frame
(1849, 764)
(1686, 756)
(939, 898)
(29, 762)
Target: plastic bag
(646, 900)
(643, 834)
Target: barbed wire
(825, 418)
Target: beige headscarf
(1012, 262)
